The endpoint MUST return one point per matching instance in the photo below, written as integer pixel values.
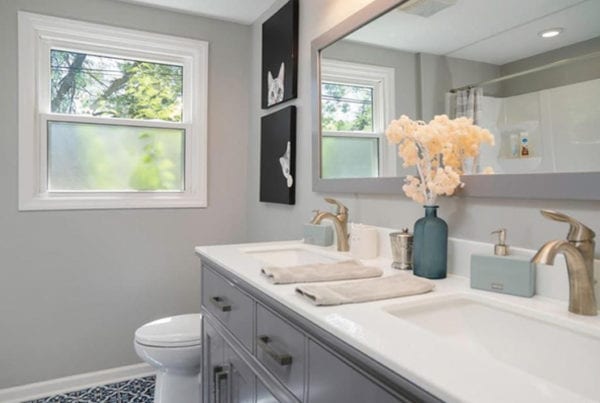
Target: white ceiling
(492, 31)
(242, 11)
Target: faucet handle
(341, 209)
(578, 232)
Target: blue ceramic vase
(430, 245)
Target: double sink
(563, 349)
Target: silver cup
(402, 245)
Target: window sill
(111, 201)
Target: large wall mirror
(528, 71)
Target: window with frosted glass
(350, 157)
(93, 157)
(110, 118)
(349, 146)
(114, 157)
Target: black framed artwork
(280, 56)
(278, 156)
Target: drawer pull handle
(220, 303)
(221, 374)
(280, 358)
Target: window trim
(382, 80)
(37, 35)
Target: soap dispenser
(501, 248)
(502, 272)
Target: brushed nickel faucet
(578, 249)
(340, 222)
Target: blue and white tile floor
(138, 390)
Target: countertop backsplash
(551, 281)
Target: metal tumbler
(402, 245)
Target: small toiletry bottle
(503, 273)
(524, 136)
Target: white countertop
(449, 372)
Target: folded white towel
(344, 270)
(398, 285)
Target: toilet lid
(173, 331)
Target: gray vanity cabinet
(330, 380)
(257, 350)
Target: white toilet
(173, 346)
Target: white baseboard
(52, 387)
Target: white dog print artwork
(276, 86)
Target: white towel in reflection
(344, 270)
(398, 285)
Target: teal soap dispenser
(502, 272)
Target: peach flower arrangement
(439, 150)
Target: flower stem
(424, 173)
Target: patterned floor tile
(138, 390)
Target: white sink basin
(290, 256)
(568, 356)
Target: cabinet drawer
(229, 305)
(280, 348)
(263, 395)
(333, 381)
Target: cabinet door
(241, 379)
(213, 363)
(225, 377)
(333, 381)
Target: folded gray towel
(398, 285)
(344, 270)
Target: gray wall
(74, 285)
(470, 218)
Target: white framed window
(110, 117)
(357, 101)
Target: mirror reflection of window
(355, 105)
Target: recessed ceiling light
(551, 33)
